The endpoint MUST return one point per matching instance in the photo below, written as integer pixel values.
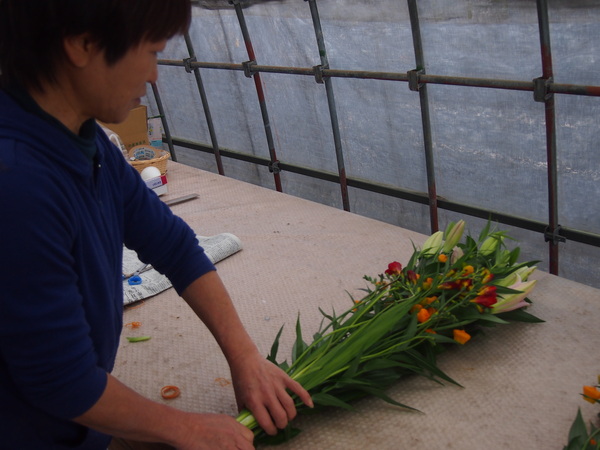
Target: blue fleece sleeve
(44, 337)
(157, 235)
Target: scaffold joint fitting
(554, 235)
(319, 73)
(413, 79)
(187, 63)
(247, 65)
(274, 167)
(541, 89)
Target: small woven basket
(142, 156)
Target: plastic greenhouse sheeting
(488, 144)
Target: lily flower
(453, 234)
(525, 271)
(490, 245)
(457, 253)
(433, 244)
(509, 302)
(517, 276)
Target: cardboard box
(134, 130)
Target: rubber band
(170, 392)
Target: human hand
(261, 387)
(214, 432)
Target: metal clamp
(413, 79)
(274, 167)
(541, 89)
(187, 63)
(554, 235)
(319, 73)
(247, 65)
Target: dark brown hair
(32, 31)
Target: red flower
(394, 268)
(486, 297)
(412, 276)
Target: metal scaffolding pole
(163, 117)
(543, 88)
(339, 153)
(251, 73)
(541, 94)
(415, 85)
(491, 83)
(207, 114)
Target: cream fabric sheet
(521, 382)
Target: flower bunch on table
(579, 436)
(448, 290)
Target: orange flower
(423, 315)
(461, 336)
(468, 270)
(487, 276)
(427, 283)
(417, 307)
(430, 300)
(430, 330)
(442, 258)
(591, 394)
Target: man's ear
(79, 49)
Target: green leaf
(282, 436)
(441, 339)
(138, 339)
(383, 396)
(485, 231)
(520, 315)
(299, 346)
(323, 399)
(275, 347)
(578, 434)
(492, 318)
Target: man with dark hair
(69, 202)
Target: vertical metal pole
(553, 226)
(274, 166)
(331, 102)
(207, 114)
(424, 99)
(161, 111)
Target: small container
(155, 181)
(142, 156)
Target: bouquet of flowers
(579, 437)
(443, 295)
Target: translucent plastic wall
(411, 112)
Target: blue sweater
(63, 221)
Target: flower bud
(514, 301)
(433, 244)
(525, 271)
(490, 245)
(453, 234)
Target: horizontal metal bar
(404, 194)
(492, 83)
